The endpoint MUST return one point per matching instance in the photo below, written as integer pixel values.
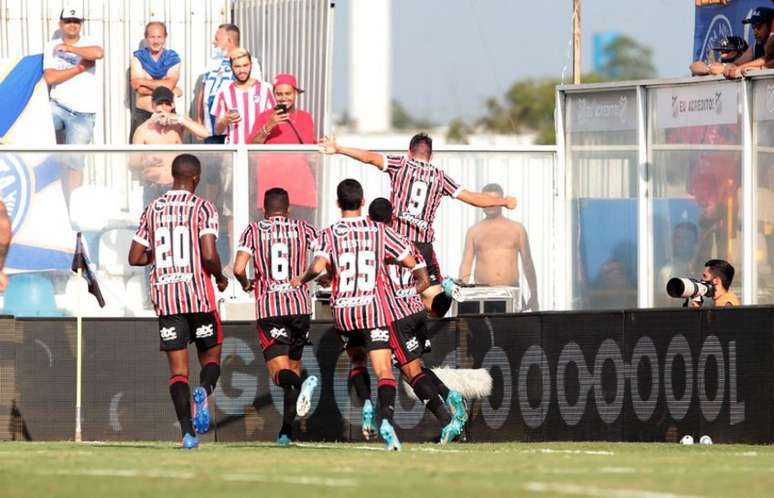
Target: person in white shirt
(239, 103)
(219, 74)
(69, 70)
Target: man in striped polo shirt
(176, 237)
(281, 249)
(239, 103)
(227, 38)
(417, 189)
(355, 248)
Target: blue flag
(16, 89)
(717, 19)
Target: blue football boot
(369, 427)
(391, 442)
(190, 442)
(201, 412)
(304, 403)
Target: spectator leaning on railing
(226, 40)
(69, 70)
(240, 102)
(731, 48)
(286, 124)
(755, 57)
(151, 67)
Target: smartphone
(282, 108)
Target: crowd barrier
(119, 181)
(639, 375)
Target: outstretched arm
(329, 146)
(484, 200)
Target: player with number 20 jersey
(176, 237)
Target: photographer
(720, 274)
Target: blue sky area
(450, 55)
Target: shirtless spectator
(163, 127)
(152, 67)
(731, 48)
(754, 58)
(496, 244)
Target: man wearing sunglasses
(68, 67)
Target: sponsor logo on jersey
(406, 293)
(380, 335)
(264, 225)
(412, 344)
(160, 204)
(350, 302)
(168, 334)
(277, 333)
(340, 230)
(205, 331)
(413, 220)
(284, 287)
(173, 278)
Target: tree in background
(528, 105)
(403, 120)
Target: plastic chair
(30, 294)
(92, 207)
(113, 250)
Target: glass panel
(763, 158)
(107, 192)
(601, 142)
(528, 176)
(696, 170)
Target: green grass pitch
(616, 470)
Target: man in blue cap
(754, 57)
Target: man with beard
(239, 103)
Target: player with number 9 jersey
(171, 227)
(417, 190)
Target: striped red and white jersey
(171, 227)
(417, 190)
(356, 249)
(401, 291)
(281, 248)
(250, 103)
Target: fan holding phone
(286, 124)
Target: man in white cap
(69, 70)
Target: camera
(689, 288)
(282, 108)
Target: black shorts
(370, 339)
(177, 331)
(428, 253)
(283, 336)
(408, 338)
